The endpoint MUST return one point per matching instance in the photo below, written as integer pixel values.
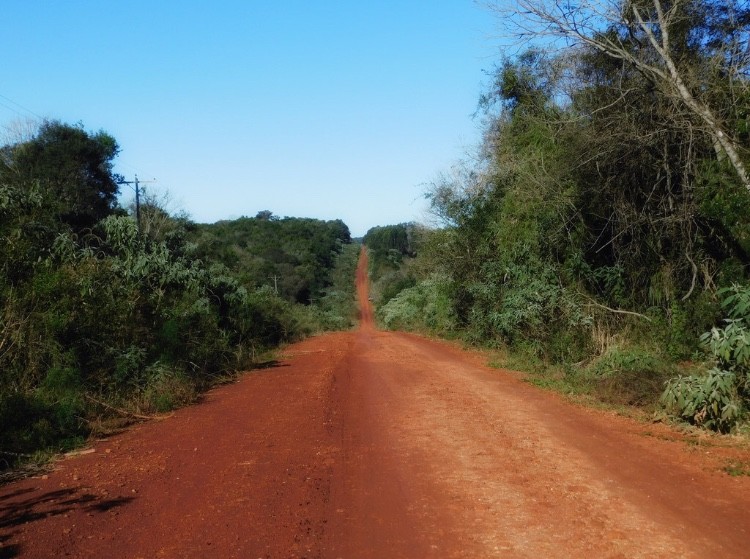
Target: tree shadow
(271, 364)
(28, 505)
(8, 551)
(16, 493)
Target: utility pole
(136, 184)
(275, 284)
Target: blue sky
(318, 109)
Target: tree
(266, 215)
(72, 166)
(695, 52)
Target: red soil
(374, 444)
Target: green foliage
(586, 219)
(294, 256)
(72, 167)
(338, 306)
(523, 84)
(393, 283)
(509, 246)
(399, 238)
(589, 231)
(167, 389)
(105, 317)
(718, 399)
(725, 208)
(389, 244)
(617, 360)
(427, 305)
(523, 304)
(33, 421)
(709, 401)
(730, 344)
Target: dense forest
(602, 232)
(291, 254)
(105, 318)
(303, 261)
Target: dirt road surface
(370, 444)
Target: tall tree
(696, 52)
(72, 166)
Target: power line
(29, 111)
(122, 163)
(19, 106)
(10, 109)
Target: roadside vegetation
(103, 319)
(600, 235)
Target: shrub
(709, 401)
(717, 400)
(426, 306)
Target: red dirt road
(371, 444)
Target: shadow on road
(27, 505)
(14, 512)
(10, 551)
(272, 364)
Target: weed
(737, 468)
(627, 376)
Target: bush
(426, 306)
(523, 303)
(97, 316)
(709, 401)
(120, 319)
(393, 283)
(717, 400)
(337, 309)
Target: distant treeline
(389, 244)
(292, 255)
(103, 319)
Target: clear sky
(326, 109)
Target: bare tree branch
(595, 24)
